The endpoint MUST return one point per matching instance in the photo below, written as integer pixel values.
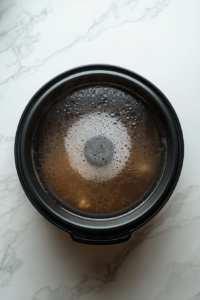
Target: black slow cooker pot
(93, 229)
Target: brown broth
(141, 171)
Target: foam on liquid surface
(92, 125)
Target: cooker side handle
(101, 239)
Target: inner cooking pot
(99, 150)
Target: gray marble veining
(158, 39)
(20, 37)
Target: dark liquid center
(99, 151)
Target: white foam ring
(94, 124)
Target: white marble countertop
(159, 39)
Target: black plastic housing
(98, 230)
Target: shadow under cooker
(87, 226)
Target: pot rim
(98, 225)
